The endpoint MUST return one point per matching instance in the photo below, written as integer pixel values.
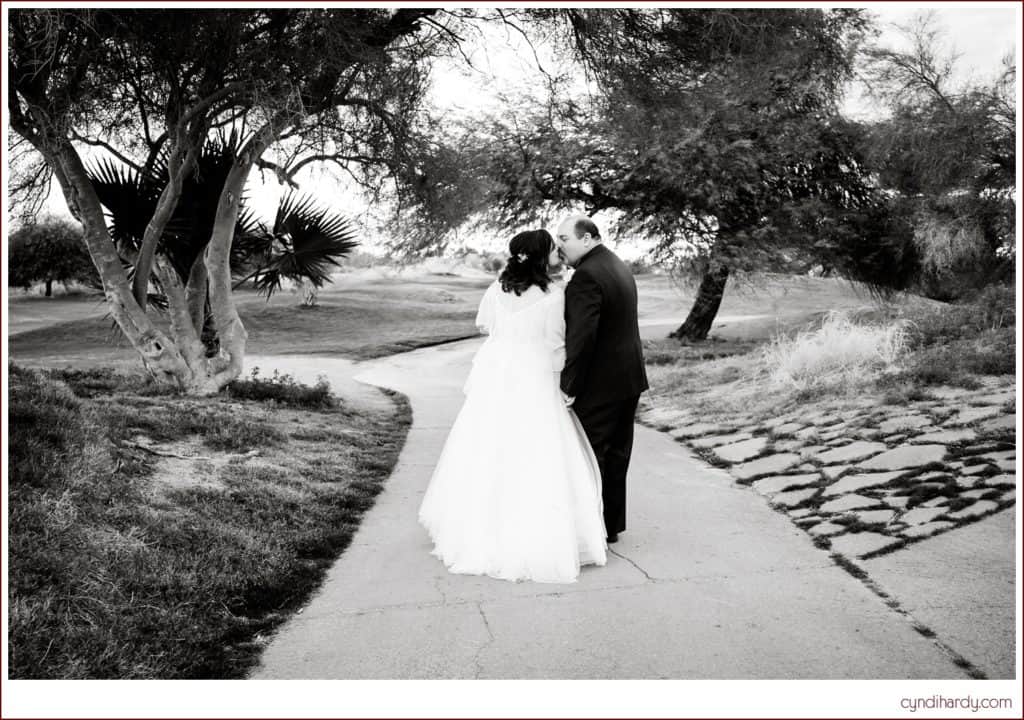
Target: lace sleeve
(485, 314)
(554, 329)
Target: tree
(713, 131)
(49, 251)
(300, 245)
(143, 85)
(947, 156)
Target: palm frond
(306, 242)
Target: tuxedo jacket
(604, 360)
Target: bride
(516, 492)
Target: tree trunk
(49, 288)
(705, 307)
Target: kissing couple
(531, 483)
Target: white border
(437, 698)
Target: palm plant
(301, 246)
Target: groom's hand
(566, 399)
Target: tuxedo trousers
(609, 428)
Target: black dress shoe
(613, 538)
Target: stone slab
(906, 457)
(847, 502)
(768, 465)
(743, 450)
(858, 450)
(852, 483)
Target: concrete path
(707, 582)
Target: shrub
(836, 352)
(283, 389)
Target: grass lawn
(157, 536)
(357, 319)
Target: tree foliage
(149, 87)
(714, 132)
(48, 251)
(947, 156)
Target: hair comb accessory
(521, 257)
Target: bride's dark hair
(528, 264)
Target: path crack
(490, 641)
(633, 563)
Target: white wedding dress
(516, 492)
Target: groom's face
(570, 247)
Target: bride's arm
(554, 330)
(485, 313)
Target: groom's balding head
(576, 236)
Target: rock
(834, 471)
(897, 501)
(685, 432)
(973, 415)
(858, 450)
(933, 475)
(945, 437)
(968, 481)
(1004, 422)
(936, 501)
(744, 450)
(775, 422)
(974, 470)
(1007, 465)
(852, 483)
(979, 508)
(947, 392)
(1010, 496)
(837, 442)
(807, 433)
(786, 428)
(997, 456)
(811, 450)
(1000, 398)
(847, 502)
(787, 445)
(875, 516)
(801, 513)
(715, 440)
(793, 497)
(862, 543)
(927, 529)
(1005, 479)
(768, 465)
(665, 416)
(904, 422)
(921, 515)
(905, 457)
(975, 494)
(826, 528)
(775, 483)
(893, 439)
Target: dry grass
(840, 352)
(155, 536)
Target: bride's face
(554, 259)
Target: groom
(604, 365)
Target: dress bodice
(536, 318)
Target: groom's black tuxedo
(604, 368)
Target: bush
(838, 351)
(282, 389)
(48, 252)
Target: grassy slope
(956, 345)
(357, 320)
(125, 563)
